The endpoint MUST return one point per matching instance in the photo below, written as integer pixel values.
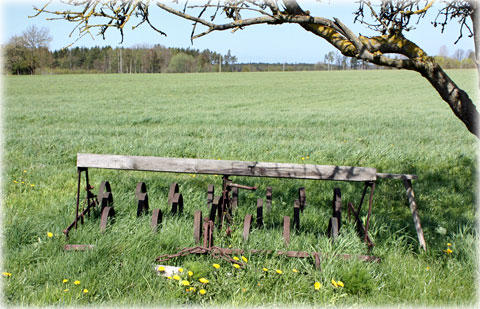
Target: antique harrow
(221, 208)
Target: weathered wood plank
(396, 176)
(226, 167)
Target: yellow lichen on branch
(332, 36)
(421, 11)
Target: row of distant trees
(28, 53)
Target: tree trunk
(458, 100)
(476, 39)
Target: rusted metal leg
(207, 234)
(210, 194)
(259, 213)
(79, 171)
(413, 209)
(156, 219)
(370, 202)
(197, 225)
(337, 206)
(302, 198)
(87, 188)
(359, 226)
(296, 215)
(106, 213)
(247, 223)
(316, 256)
(213, 209)
(367, 184)
(333, 228)
(268, 201)
(286, 229)
(234, 198)
(142, 198)
(171, 192)
(177, 204)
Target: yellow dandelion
(216, 266)
(190, 273)
(169, 277)
(448, 251)
(180, 270)
(317, 285)
(295, 270)
(279, 271)
(308, 157)
(303, 158)
(244, 259)
(176, 277)
(23, 182)
(66, 290)
(6, 274)
(15, 181)
(65, 280)
(161, 269)
(202, 292)
(24, 171)
(185, 283)
(236, 258)
(32, 185)
(244, 290)
(340, 283)
(449, 244)
(428, 267)
(334, 283)
(265, 269)
(236, 266)
(49, 234)
(85, 291)
(76, 282)
(203, 280)
(191, 289)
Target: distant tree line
(28, 53)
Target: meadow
(390, 120)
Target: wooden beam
(225, 167)
(396, 176)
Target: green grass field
(390, 120)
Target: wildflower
(279, 271)
(236, 258)
(169, 277)
(85, 291)
(24, 171)
(76, 282)
(244, 259)
(65, 280)
(23, 182)
(49, 234)
(334, 283)
(203, 280)
(448, 251)
(202, 292)
(428, 267)
(185, 283)
(340, 283)
(216, 266)
(191, 289)
(265, 269)
(161, 269)
(295, 270)
(176, 277)
(6, 274)
(66, 290)
(190, 273)
(449, 244)
(244, 290)
(303, 159)
(308, 157)
(180, 270)
(32, 185)
(317, 285)
(236, 266)
(15, 181)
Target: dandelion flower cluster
(203, 280)
(6, 274)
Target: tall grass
(391, 120)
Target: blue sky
(261, 43)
